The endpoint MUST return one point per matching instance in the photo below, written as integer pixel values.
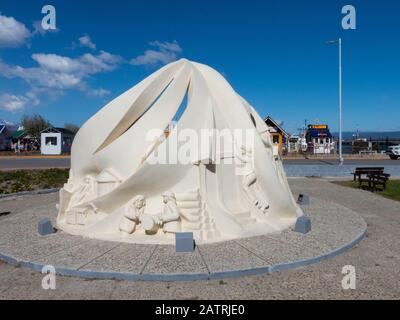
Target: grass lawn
(28, 180)
(392, 190)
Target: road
(42, 163)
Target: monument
(137, 177)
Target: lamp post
(339, 41)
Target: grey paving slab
(229, 256)
(337, 225)
(78, 256)
(125, 258)
(165, 260)
(307, 241)
(45, 246)
(26, 220)
(275, 251)
(21, 237)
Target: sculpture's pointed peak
(185, 61)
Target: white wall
(52, 149)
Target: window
(51, 141)
(275, 139)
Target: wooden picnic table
(373, 176)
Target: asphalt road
(36, 163)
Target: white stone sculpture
(217, 190)
(169, 217)
(132, 213)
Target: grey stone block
(303, 225)
(184, 242)
(45, 227)
(303, 200)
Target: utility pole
(340, 103)
(341, 160)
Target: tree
(33, 125)
(71, 127)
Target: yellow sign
(319, 126)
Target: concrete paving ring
(335, 229)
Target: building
(319, 139)
(55, 141)
(280, 137)
(22, 141)
(6, 131)
(4, 137)
(297, 144)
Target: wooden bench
(365, 171)
(373, 176)
(378, 179)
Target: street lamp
(339, 41)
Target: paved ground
(376, 259)
(334, 227)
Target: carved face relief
(140, 203)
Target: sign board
(318, 126)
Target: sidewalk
(335, 157)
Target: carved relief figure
(133, 210)
(83, 193)
(246, 170)
(169, 218)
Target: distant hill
(374, 135)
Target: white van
(393, 152)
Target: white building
(297, 144)
(56, 141)
(320, 139)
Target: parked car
(393, 152)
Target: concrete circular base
(335, 229)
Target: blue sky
(272, 52)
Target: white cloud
(98, 92)
(56, 63)
(14, 103)
(59, 72)
(85, 41)
(166, 52)
(55, 74)
(13, 33)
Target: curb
(109, 275)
